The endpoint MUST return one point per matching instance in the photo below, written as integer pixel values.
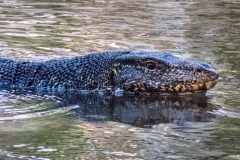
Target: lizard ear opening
(111, 78)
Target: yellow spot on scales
(177, 88)
(195, 87)
(171, 88)
(115, 71)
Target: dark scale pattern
(90, 72)
(130, 71)
(7, 71)
(25, 73)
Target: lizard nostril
(197, 70)
(206, 65)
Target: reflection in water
(141, 111)
(70, 120)
(135, 110)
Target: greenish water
(45, 126)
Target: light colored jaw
(195, 87)
(204, 86)
(180, 88)
(210, 84)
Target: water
(73, 126)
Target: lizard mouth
(195, 87)
(183, 89)
(179, 87)
(207, 85)
(210, 82)
(187, 88)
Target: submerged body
(139, 72)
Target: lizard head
(161, 73)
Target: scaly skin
(139, 72)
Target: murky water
(72, 126)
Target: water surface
(74, 126)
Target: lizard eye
(150, 65)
